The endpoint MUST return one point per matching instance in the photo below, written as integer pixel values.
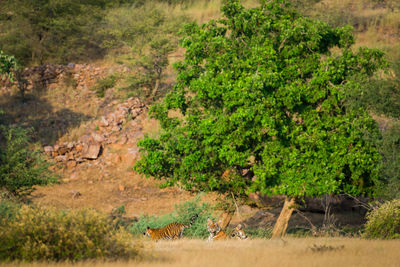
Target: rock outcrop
(121, 126)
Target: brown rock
(123, 140)
(79, 147)
(70, 156)
(48, 150)
(70, 145)
(71, 164)
(92, 151)
(85, 139)
(63, 150)
(61, 158)
(97, 137)
(104, 122)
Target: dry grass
(260, 252)
(376, 24)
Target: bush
(389, 187)
(21, 167)
(38, 234)
(384, 222)
(150, 33)
(259, 232)
(103, 84)
(182, 214)
(8, 208)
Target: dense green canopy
(261, 94)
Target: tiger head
(148, 231)
(238, 232)
(213, 227)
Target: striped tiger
(216, 233)
(168, 232)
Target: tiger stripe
(169, 232)
(216, 233)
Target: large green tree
(261, 100)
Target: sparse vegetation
(8, 208)
(21, 167)
(39, 234)
(182, 214)
(384, 221)
(103, 84)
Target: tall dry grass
(289, 252)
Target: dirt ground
(260, 252)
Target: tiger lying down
(169, 232)
(216, 233)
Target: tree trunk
(155, 89)
(226, 219)
(283, 219)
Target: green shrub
(389, 186)
(259, 232)
(103, 84)
(38, 234)
(182, 214)
(384, 222)
(8, 208)
(21, 167)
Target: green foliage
(183, 213)
(389, 188)
(135, 26)
(8, 208)
(152, 64)
(7, 64)
(38, 234)
(150, 34)
(379, 95)
(103, 84)
(21, 167)
(57, 30)
(69, 80)
(384, 222)
(258, 232)
(261, 93)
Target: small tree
(10, 67)
(21, 168)
(7, 65)
(261, 95)
(153, 64)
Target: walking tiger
(168, 232)
(216, 233)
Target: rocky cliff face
(121, 126)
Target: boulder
(48, 150)
(97, 137)
(91, 152)
(61, 158)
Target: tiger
(169, 232)
(216, 233)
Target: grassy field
(261, 252)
